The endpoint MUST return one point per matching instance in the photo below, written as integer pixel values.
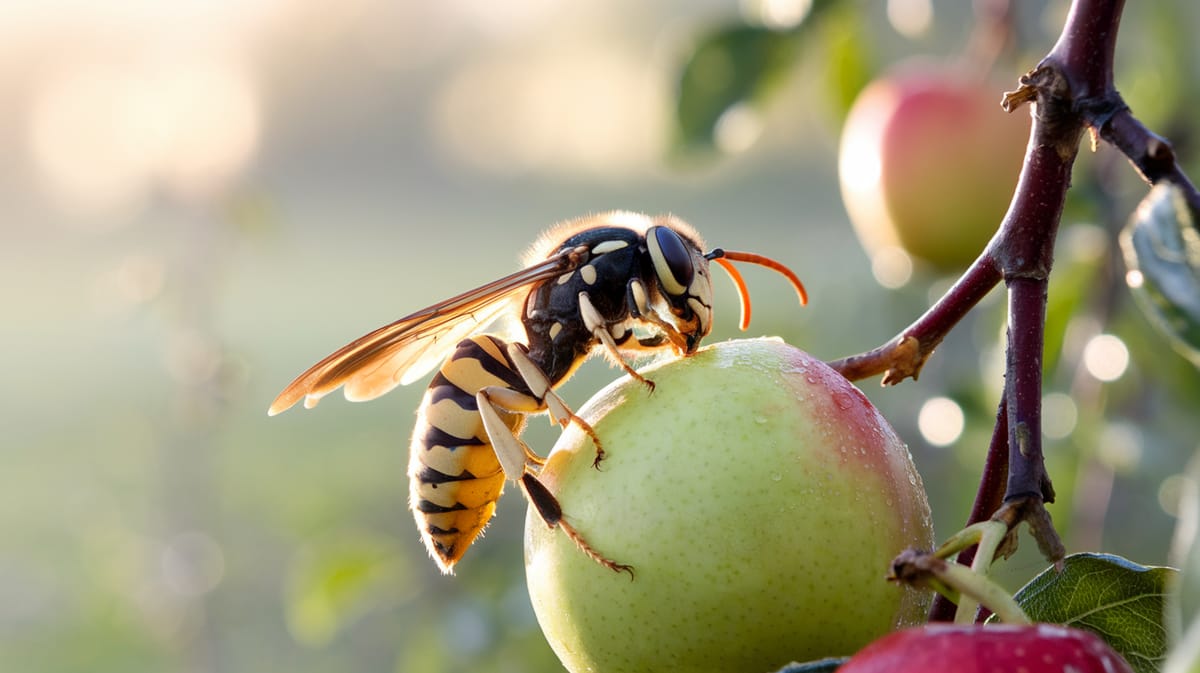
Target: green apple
(928, 162)
(759, 498)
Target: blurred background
(202, 198)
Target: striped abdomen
(454, 476)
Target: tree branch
(988, 499)
(1071, 91)
(907, 352)
(1151, 154)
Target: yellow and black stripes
(455, 478)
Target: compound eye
(672, 260)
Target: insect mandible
(620, 283)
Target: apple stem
(988, 541)
(982, 540)
(959, 582)
(1072, 91)
(964, 539)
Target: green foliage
(1114, 598)
(848, 58)
(733, 65)
(1183, 602)
(331, 585)
(1162, 243)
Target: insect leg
(516, 458)
(551, 512)
(596, 325)
(639, 305)
(539, 385)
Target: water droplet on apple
(842, 400)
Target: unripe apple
(928, 162)
(759, 498)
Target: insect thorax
(558, 337)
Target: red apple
(759, 498)
(928, 163)
(974, 648)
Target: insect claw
(592, 553)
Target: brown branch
(1151, 154)
(988, 500)
(1071, 91)
(906, 353)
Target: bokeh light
(1059, 415)
(542, 116)
(1106, 357)
(91, 136)
(1134, 278)
(910, 18)
(941, 421)
(737, 128)
(1171, 492)
(776, 14)
(892, 267)
(104, 134)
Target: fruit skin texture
(1000, 648)
(758, 496)
(928, 161)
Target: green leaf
(1112, 597)
(848, 60)
(1162, 251)
(732, 66)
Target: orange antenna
(742, 290)
(725, 259)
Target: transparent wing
(409, 348)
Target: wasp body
(618, 283)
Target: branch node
(1159, 150)
(907, 360)
(1026, 93)
(1023, 437)
(1030, 509)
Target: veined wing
(409, 348)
